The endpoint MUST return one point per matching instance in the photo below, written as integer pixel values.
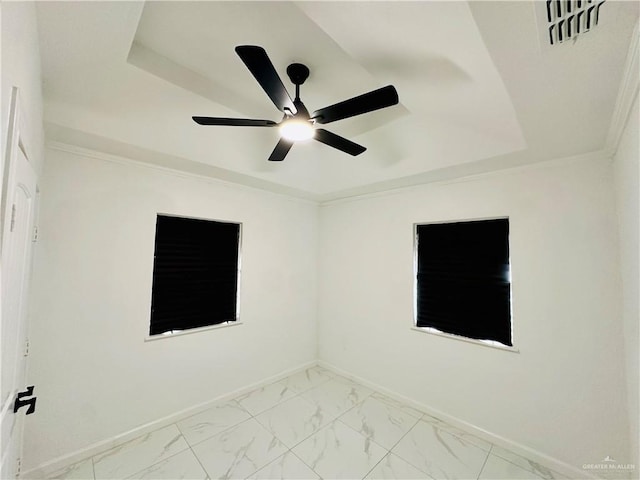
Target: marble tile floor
(311, 425)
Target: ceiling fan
(297, 124)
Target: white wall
(627, 178)
(564, 393)
(21, 68)
(95, 375)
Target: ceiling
(479, 87)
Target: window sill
(190, 331)
(484, 343)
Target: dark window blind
(195, 273)
(463, 284)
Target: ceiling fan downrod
(298, 74)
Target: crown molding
(257, 186)
(627, 93)
(449, 176)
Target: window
(195, 274)
(463, 279)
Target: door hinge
(26, 348)
(18, 467)
(35, 234)
(13, 217)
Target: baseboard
(45, 469)
(527, 452)
(61, 462)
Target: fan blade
(258, 63)
(234, 122)
(368, 102)
(281, 150)
(336, 141)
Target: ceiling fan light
(297, 130)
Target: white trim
(484, 343)
(47, 468)
(269, 188)
(15, 140)
(596, 155)
(391, 187)
(61, 462)
(518, 448)
(180, 333)
(629, 87)
(360, 193)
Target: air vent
(566, 19)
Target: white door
(19, 199)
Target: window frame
(434, 331)
(230, 323)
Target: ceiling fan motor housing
(298, 73)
